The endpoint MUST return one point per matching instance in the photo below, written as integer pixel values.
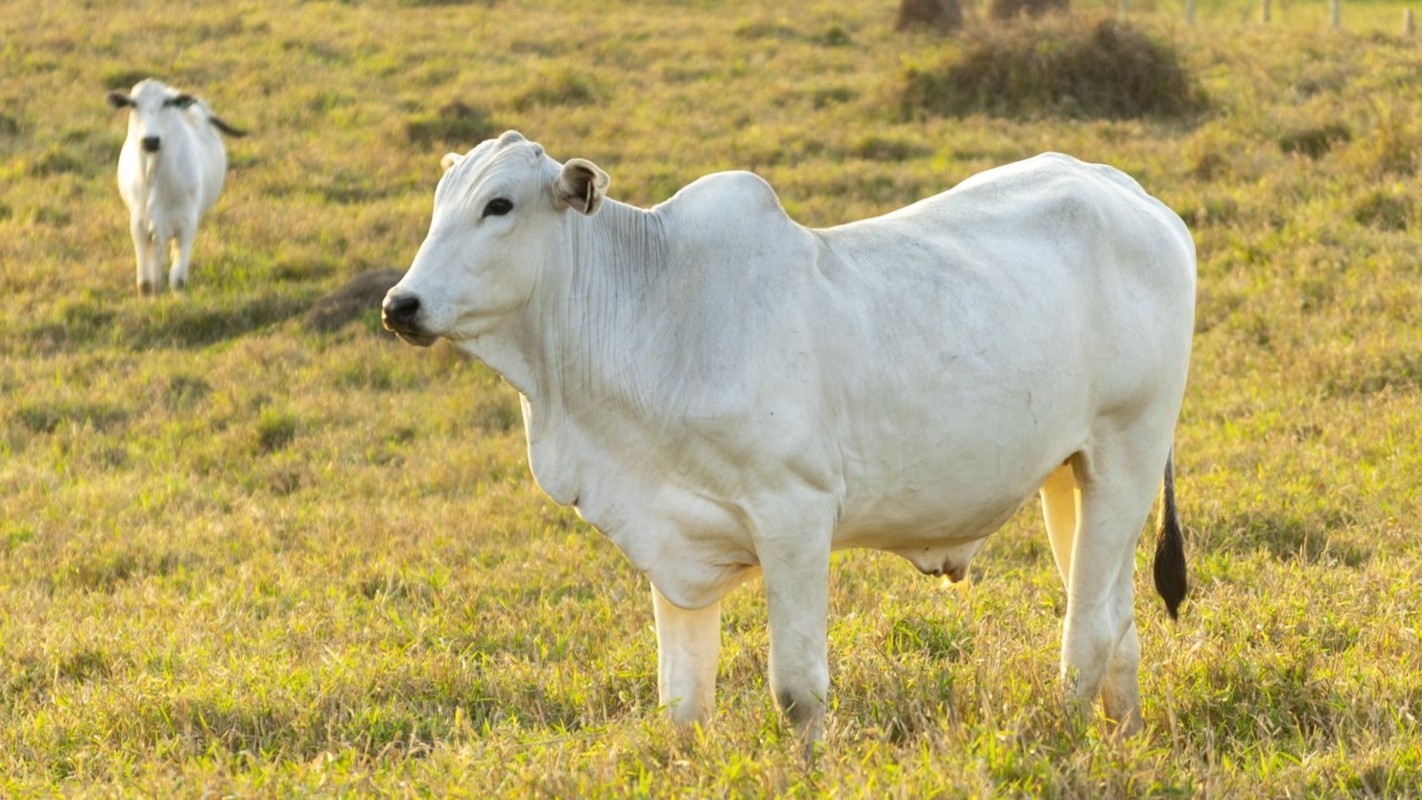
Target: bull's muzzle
(151, 144)
(400, 315)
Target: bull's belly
(939, 537)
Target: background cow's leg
(796, 574)
(1059, 510)
(1100, 652)
(145, 250)
(688, 648)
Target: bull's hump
(728, 195)
(730, 211)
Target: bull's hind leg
(1100, 651)
(688, 648)
(1059, 510)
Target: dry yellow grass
(241, 557)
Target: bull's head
(501, 217)
(153, 108)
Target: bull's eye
(498, 207)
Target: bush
(1055, 66)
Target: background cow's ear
(581, 185)
(118, 99)
(449, 160)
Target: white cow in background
(170, 171)
(725, 393)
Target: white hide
(170, 183)
(725, 393)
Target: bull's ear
(449, 160)
(118, 99)
(581, 186)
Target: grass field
(239, 556)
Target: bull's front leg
(688, 649)
(145, 250)
(797, 594)
(182, 255)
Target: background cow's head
(153, 109)
(501, 218)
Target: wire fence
(1273, 11)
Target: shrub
(1055, 66)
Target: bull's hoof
(146, 289)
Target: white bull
(725, 393)
(170, 171)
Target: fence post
(1190, 12)
(1335, 14)
(1409, 25)
(1264, 12)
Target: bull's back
(1027, 255)
(998, 321)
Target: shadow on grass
(1247, 701)
(187, 323)
(1284, 537)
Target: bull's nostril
(152, 143)
(400, 311)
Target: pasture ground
(240, 556)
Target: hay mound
(1054, 66)
(359, 294)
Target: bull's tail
(1170, 579)
(219, 124)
